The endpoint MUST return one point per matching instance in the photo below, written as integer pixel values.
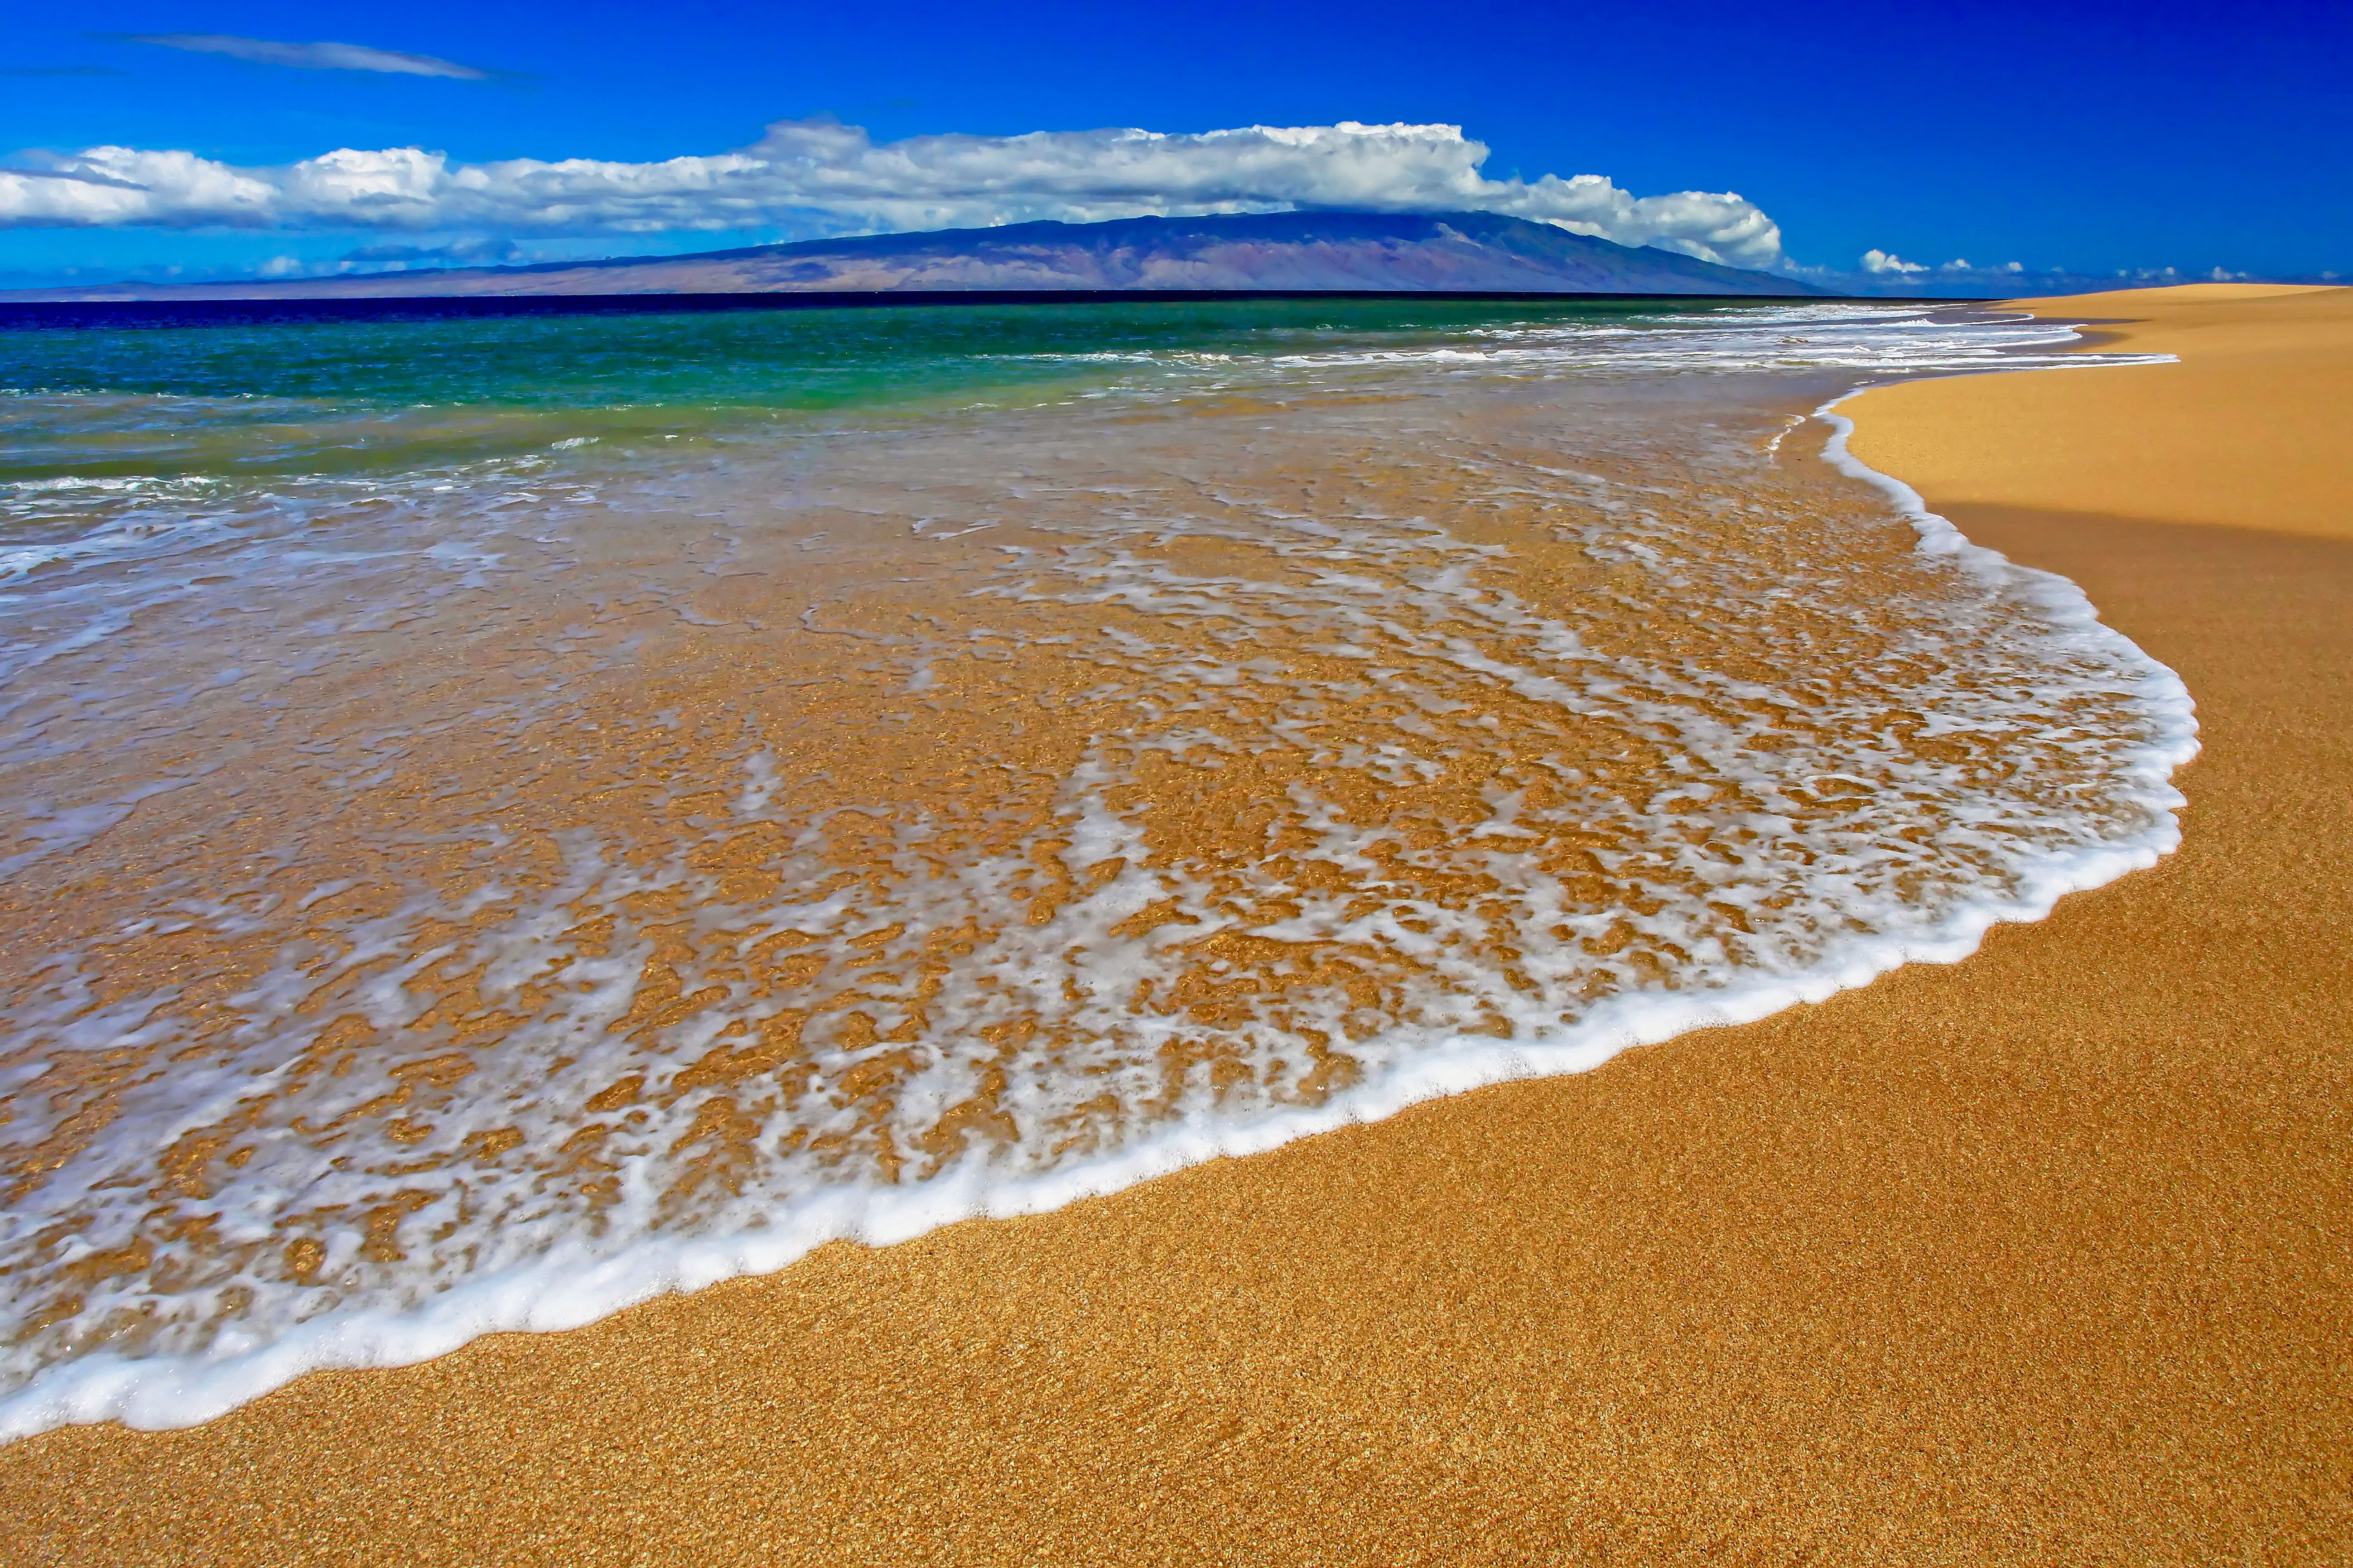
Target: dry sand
(2249, 431)
(2042, 1258)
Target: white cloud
(1887, 261)
(314, 56)
(822, 178)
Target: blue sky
(2090, 138)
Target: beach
(2260, 400)
(2038, 1256)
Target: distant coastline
(240, 310)
(1259, 254)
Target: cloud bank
(820, 178)
(312, 56)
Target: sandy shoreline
(2237, 434)
(2040, 1257)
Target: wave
(838, 843)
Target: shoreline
(2236, 434)
(570, 1279)
(575, 1285)
(1370, 1343)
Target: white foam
(571, 1286)
(1831, 335)
(1396, 604)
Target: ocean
(505, 818)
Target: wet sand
(2044, 1256)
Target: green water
(361, 396)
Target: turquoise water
(362, 396)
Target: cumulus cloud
(819, 177)
(1887, 261)
(312, 56)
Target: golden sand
(2042, 1258)
(2248, 431)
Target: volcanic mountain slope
(1477, 252)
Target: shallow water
(506, 820)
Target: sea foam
(967, 820)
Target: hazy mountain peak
(1313, 251)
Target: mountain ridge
(1310, 251)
